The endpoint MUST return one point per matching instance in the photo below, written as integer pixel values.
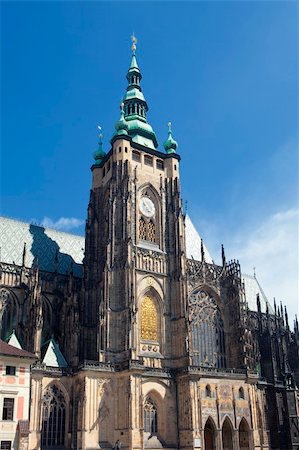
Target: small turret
(170, 145)
(121, 125)
(99, 154)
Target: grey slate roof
(252, 288)
(42, 243)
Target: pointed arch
(227, 434)
(9, 312)
(244, 435)
(149, 319)
(207, 328)
(54, 420)
(150, 416)
(210, 434)
(150, 228)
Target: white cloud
(272, 248)
(64, 223)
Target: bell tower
(134, 304)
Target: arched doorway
(209, 435)
(244, 435)
(227, 435)
(53, 418)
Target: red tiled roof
(9, 350)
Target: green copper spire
(121, 125)
(135, 106)
(170, 145)
(99, 154)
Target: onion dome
(121, 125)
(170, 145)
(99, 154)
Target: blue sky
(224, 73)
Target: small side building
(14, 395)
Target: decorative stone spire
(202, 251)
(135, 106)
(223, 255)
(99, 154)
(170, 145)
(24, 255)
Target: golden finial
(100, 130)
(134, 42)
(122, 105)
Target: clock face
(147, 208)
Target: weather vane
(134, 42)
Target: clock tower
(133, 313)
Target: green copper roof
(121, 125)
(134, 64)
(135, 107)
(99, 154)
(134, 93)
(170, 145)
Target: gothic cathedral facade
(158, 350)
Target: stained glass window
(207, 330)
(149, 320)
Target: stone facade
(162, 350)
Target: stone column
(35, 412)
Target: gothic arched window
(207, 330)
(151, 232)
(8, 313)
(149, 213)
(150, 417)
(142, 229)
(53, 417)
(149, 320)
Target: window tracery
(53, 417)
(149, 320)
(8, 313)
(150, 422)
(148, 222)
(151, 231)
(142, 229)
(207, 330)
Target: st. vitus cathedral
(145, 343)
